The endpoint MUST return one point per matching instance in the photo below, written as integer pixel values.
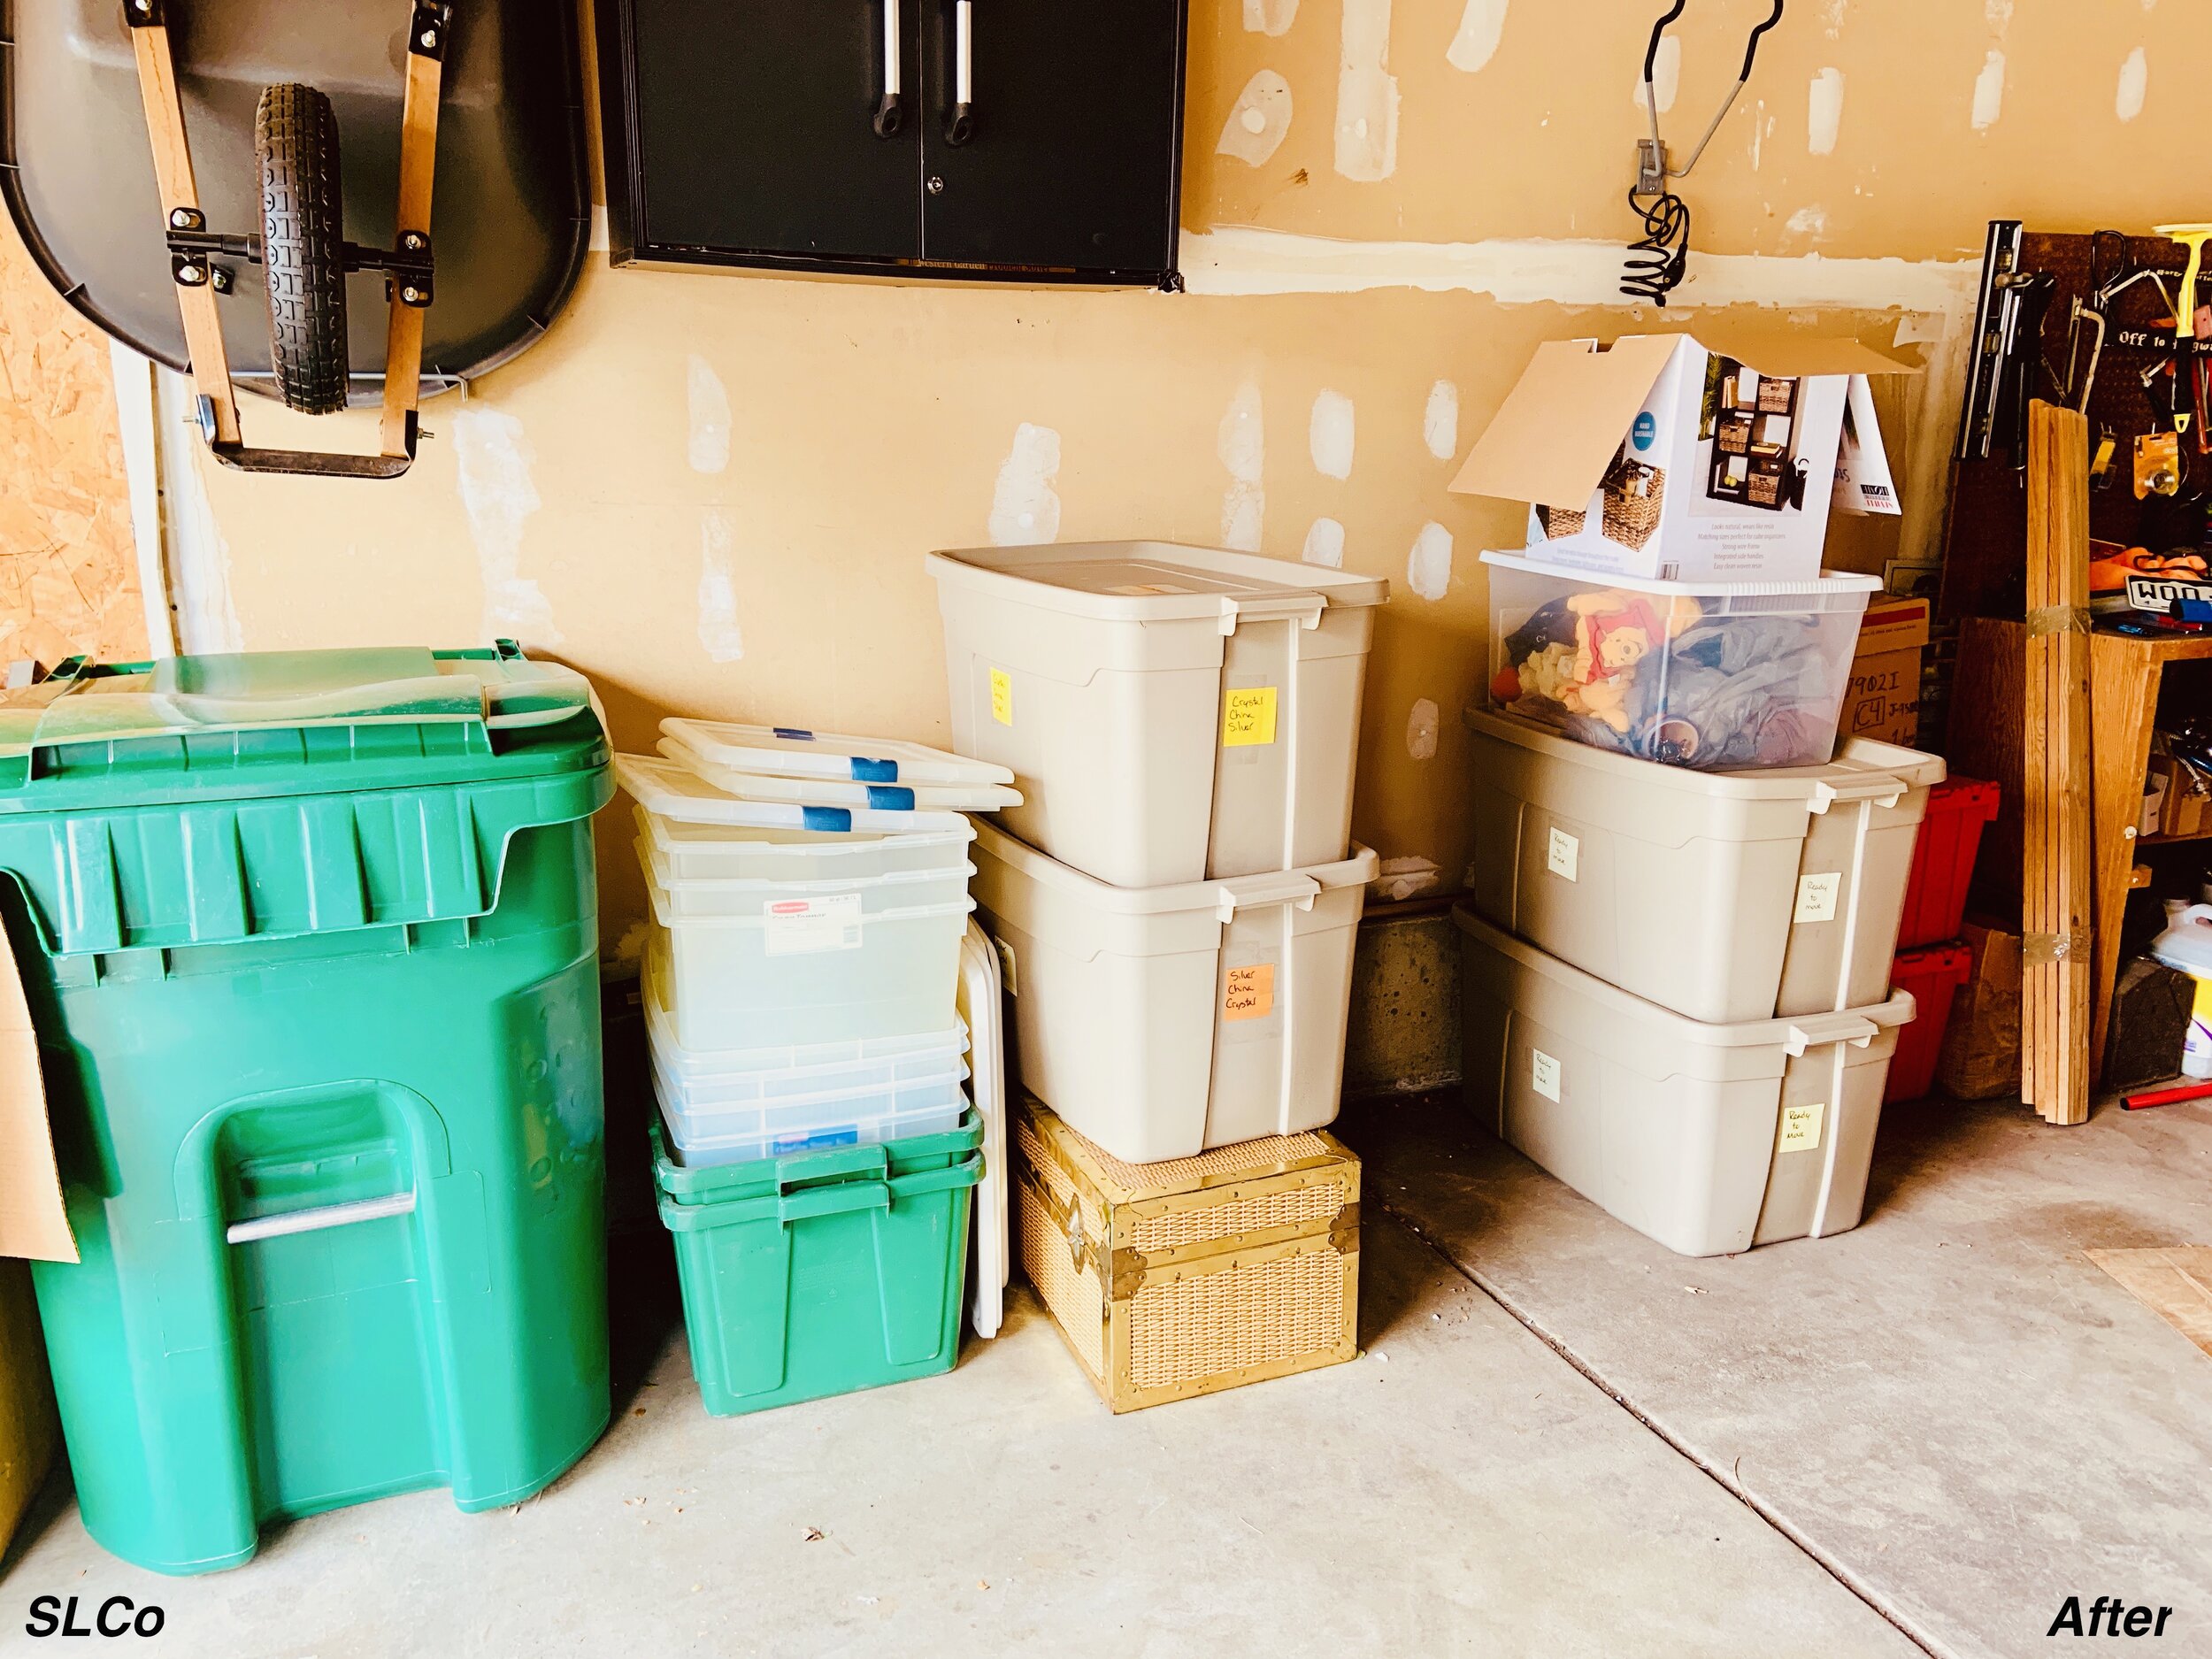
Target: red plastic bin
(1943, 860)
(1933, 975)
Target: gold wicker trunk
(1180, 1279)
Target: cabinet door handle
(890, 114)
(960, 125)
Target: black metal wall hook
(1657, 262)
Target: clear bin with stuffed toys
(1716, 676)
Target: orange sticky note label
(1002, 696)
(1248, 717)
(1251, 993)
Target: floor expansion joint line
(1723, 1478)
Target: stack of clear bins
(810, 894)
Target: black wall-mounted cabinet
(755, 133)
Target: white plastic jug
(2187, 945)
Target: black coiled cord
(1656, 262)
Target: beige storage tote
(1170, 713)
(1721, 895)
(1161, 1021)
(1710, 1138)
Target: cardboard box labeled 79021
(1883, 698)
(1687, 458)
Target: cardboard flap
(1786, 354)
(1563, 423)
(33, 1222)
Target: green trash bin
(822, 1272)
(310, 940)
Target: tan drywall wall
(68, 568)
(580, 500)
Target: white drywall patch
(1439, 420)
(1329, 433)
(1834, 11)
(1810, 220)
(1666, 75)
(1244, 260)
(1243, 517)
(495, 456)
(708, 405)
(1024, 511)
(1989, 91)
(1270, 17)
(1324, 544)
(1429, 566)
(1823, 112)
(1241, 443)
(1997, 14)
(719, 632)
(2135, 76)
(1366, 94)
(1259, 121)
(1421, 729)
(1477, 42)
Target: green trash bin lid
(267, 795)
(268, 723)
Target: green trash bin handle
(838, 1199)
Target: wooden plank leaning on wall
(2056, 876)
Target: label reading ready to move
(1543, 1074)
(1800, 1126)
(1816, 897)
(1251, 994)
(799, 927)
(1562, 855)
(1248, 717)
(1002, 696)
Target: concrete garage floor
(1950, 1407)
(1946, 1416)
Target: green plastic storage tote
(310, 940)
(822, 1272)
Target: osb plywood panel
(68, 565)
(2175, 1284)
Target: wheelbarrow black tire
(303, 246)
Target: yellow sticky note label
(1800, 1126)
(1251, 993)
(1002, 696)
(1249, 717)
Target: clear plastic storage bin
(1716, 676)
(782, 904)
(724, 1106)
(733, 852)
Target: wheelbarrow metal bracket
(193, 247)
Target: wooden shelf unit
(2125, 675)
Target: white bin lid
(668, 790)
(1826, 584)
(1154, 581)
(1864, 768)
(1224, 896)
(1686, 1036)
(783, 751)
(728, 1066)
(897, 797)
